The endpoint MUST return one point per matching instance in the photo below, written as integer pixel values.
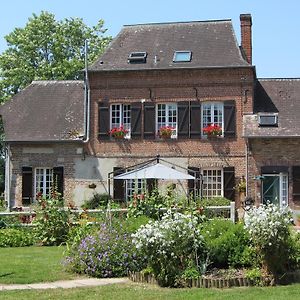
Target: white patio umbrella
(157, 171)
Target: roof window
(267, 120)
(182, 56)
(137, 57)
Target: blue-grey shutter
(149, 120)
(296, 184)
(183, 119)
(136, 112)
(229, 183)
(229, 119)
(195, 127)
(103, 121)
(119, 185)
(27, 185)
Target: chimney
(246, 35)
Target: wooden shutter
(149, 121)
(151, 185)
(183, 119)
(136, 112)
(194, 185)
(119, 185)
(296, 184)
(27, 185)
(103, 121)
(195, 128)
(58, 179)
(229, 119)
(229, 183)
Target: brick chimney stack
(246, 35)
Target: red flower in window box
(212, 130)
(165, 132)
(118, 132)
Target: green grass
(148, 292)
(32, 264)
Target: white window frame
(212, 116)
(44, 182)
(283, 188)
(168, 110)
(123, 110)
(204, 191)
(131, 188)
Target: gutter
(87, 96)
(7, 177)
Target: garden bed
(216, 281)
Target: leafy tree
(47, 49)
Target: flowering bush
(52, 221)
(212, 130)
(170, 246)
(118, 132)
(165, 131)
(268, 226)
(106, 253)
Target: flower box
(118, 132)
(212, 131)
(165, 132)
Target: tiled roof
(45, 111)
(213, 44)
(280, 96)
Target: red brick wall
(273, 152)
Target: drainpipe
(86, 97)
(247, 164)
(7, 177)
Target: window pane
(212, 183)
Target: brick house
(184, 75)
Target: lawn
(32, 264)
(148, 292)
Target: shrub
(52, 222)
(228, 244)
(106, 253)
(215, 201)
(268, 226)
(97, 201)
(171, 245)
(13, 237)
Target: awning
(157, 171)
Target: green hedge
(14, 237)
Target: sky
(275, 29)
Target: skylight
(268, 120)
(137, 57)
(182, 56)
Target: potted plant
(118, 132)
(212, 130)
(165, 132)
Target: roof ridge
(178, 22)
(280, 79)
(55, 81)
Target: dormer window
(182, 56)
(267, 120)
(137, 57)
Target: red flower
(212, 130)
(118, 132)
(165, 131)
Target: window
(43, 180)
(275, 189)
(212, 113)
(167, 116)
(212, 183)
(120, 116)
(182, 56)
(268, 120)
(137, 57)
(134, 186)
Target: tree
(48, 49)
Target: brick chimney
(246, 35)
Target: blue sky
(276, 23)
